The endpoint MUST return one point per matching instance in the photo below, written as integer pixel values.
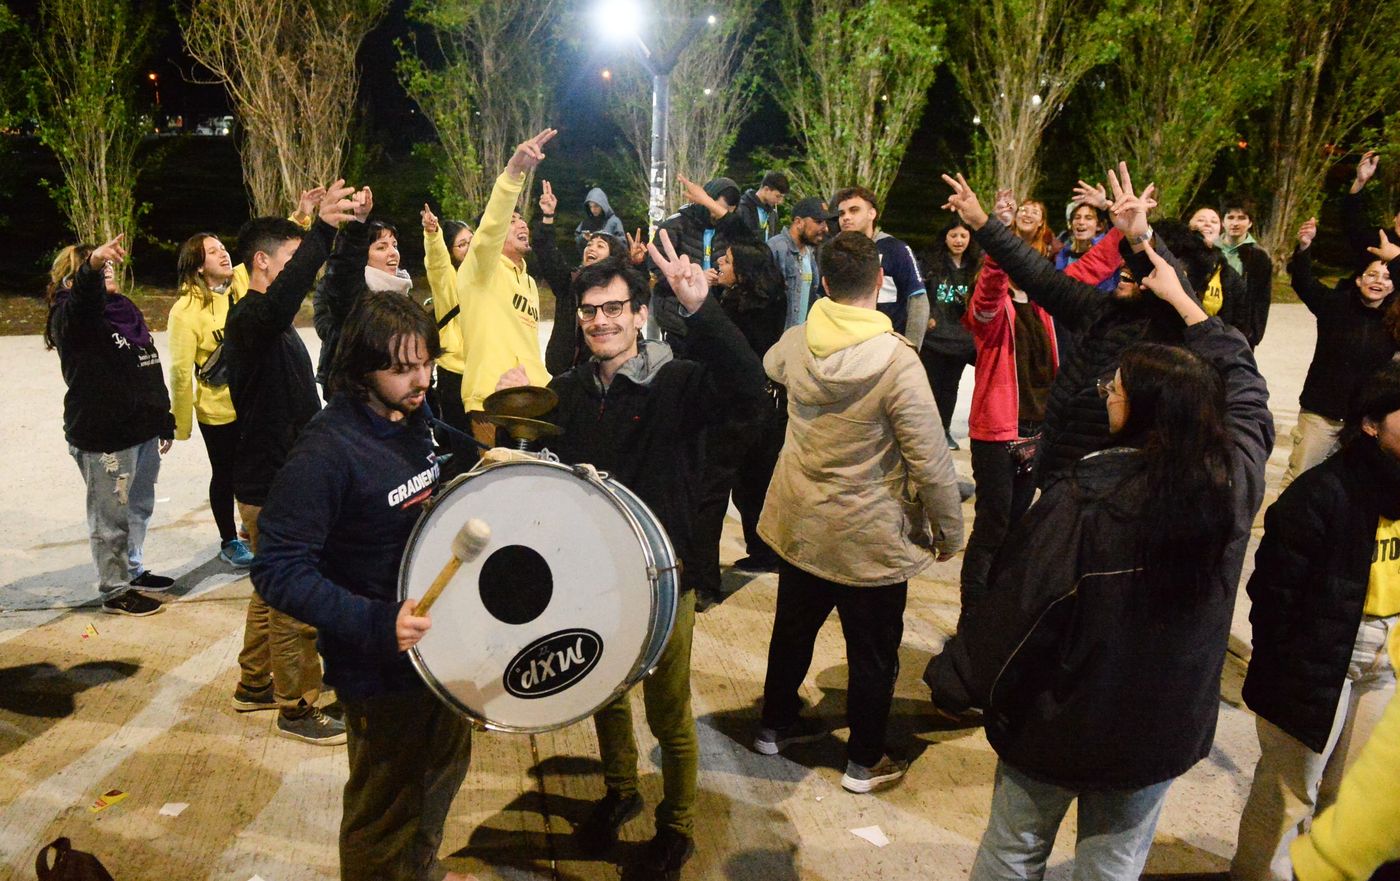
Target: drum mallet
(470, 540)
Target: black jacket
(759, 315)
(332, 534)
(686, 230)
(270, 376)
(1251, 314)
(116, 394)
(1352, 341)
(1360, 232)
(1309, 587)
(748, 212)
(339, 289)
(1075, 419)
(1092, 678)
(647, 428)
(565, 347)
(949, 288)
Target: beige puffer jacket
(865, 488)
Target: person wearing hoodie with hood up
(598, 217)
(865, 455)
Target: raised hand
(1004, 208)
(636, 248)
(686, 279)
(1365, 170)
(529, 154)
(1166, 284)
(337, 206)
(1129, 210)
(1093, 195)
(1306, 233)
(111, 251)
(1387, 250)
(964, 201)
(309, 199)
(430, 221)
(364, 204)
(548, 201)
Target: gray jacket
(788, 255)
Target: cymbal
(521, 428)
(528, 401)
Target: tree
(87, 54)
(1171, 125)
(290, 68)
(1341, 72)
(853, 77)
(1018, 61)
(713, 88)
(488, 86)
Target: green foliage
(481, 75)
(853, 77)
(81, 92)
(1170, 126)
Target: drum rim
(640, 668)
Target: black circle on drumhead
(516, 584)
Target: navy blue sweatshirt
(335, 525)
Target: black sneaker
(667, 853)
(885, 772)
(129, 602)
(148, 580)
(247, 700)
(771, 741)
(335, 709)
(313, 727)
(705, 600)
(598, 831)
(755, 565)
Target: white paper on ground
(872, 834)
(173, 809)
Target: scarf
(379, 280)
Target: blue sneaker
(236, 554)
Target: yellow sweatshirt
(500, 316)
(195, 330)
(1359, 833)
(442, 280)
(833, 326)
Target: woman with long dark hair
(116, 416)
(208, 287)
(950, 270)
(1098, 659)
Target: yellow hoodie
(500, 315)
(442, 281)
(195, 330)
(833, 326)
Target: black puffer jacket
(1075, 419)
(339, 289)
(1251, 315)
(748, 210)
(1309, 587)
(1352, 341)
(686, 229)
(1093, 678)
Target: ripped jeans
(121, 494)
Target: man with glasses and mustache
(636, 411)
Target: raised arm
(1314, 294)
(437, 264)
(1355, 225)
(490, 236)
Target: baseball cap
(813, 207)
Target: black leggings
(220, 441)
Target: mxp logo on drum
(552, 663)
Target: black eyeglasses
(612, 309)
(1107, 387)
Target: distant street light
(623, 20)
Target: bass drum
(569, 604)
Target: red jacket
(996, 397)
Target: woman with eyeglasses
(1099, 655)
(116, 416)
(1352, 342)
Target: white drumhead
(596, 620)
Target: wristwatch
(1138, 240)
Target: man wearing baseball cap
(795, 251)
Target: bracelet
(1138, 240)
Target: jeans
(277, 648)
(872, 620)
(1291, 782)
(221, 443)
(1005, 489)
(408, 756)
(666, 696)
(1115, 829)
(1314, 439)
(121, 496)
